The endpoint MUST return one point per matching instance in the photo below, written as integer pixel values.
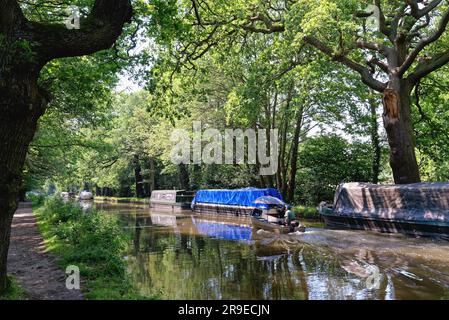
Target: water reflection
(189, 256)
(222, 230)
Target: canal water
(190, 256)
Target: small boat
(419, 209)
(67, 195)
(263, 224)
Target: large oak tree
(25, 48)
(395, 50)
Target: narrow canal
(188, 256)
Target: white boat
(86, 195)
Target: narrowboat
(420, 209)
(238, 202)
(171, 200)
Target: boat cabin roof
(412, 202)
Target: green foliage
(37, 199)
(327, 161)
(304, 212)
(93, 241)
(123, 200)
(431, 118)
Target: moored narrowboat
(420, 209)
(238, 202)
(171, 200)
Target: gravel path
(35, 269)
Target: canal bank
(91, 242)
(123, 200)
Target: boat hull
(171, 200)
(210, 208)
(387, 226)
(259, 224)
(223, 209)
(170, 207)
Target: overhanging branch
(98, 31)
(418, 13)
(424, 43)
(364, 72)
(427, 67)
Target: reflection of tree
(209, 268)
(297, 259)
(197, 267)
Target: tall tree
(26, 47)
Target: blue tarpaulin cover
(235, 197)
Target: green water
(188, 256)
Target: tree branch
(419, 13)
(270, 26)
(382, 22)
(364, 72)
(197, 13)
(98, 31)
(382, 65)
(424, 43)
(428, 66)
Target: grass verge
(123, 200)
(14, 292)
(92, 241)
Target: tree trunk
(282, 168)
(294, 157)
(21, 105)
(152, 182)
(138, 177)
(375, 143)
(398, 124)
(184, 180)
(5, 230)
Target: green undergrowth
(92, 241)
(305, 212)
